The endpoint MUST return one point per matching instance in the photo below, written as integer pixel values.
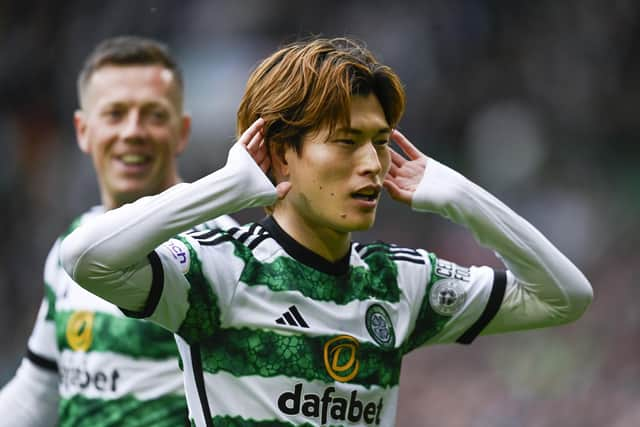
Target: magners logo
(340, 358)
(80, 330)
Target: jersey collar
(303, 254)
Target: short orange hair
(309, 84)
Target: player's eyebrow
(353, 131)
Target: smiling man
(87, 364)
(288, 321)
(132, 125)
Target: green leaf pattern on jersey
(286, 274)
(50, 297)
(203, 316)
(49, 292)
(243, 352)
(168, 411)
(114, 333)
(429, 323)
(109, 331)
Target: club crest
(380, 326)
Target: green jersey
(272, 334)
(113, 370)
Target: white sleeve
(31, 398)
(108, 256)
(543, 288)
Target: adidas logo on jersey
(292, 317)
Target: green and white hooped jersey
(113, 370)
(272, 334)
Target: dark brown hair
(309, 84)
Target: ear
(80, 124)
(278, 152)
(185, 133)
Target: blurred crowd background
(539, 102)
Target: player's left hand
(405, 173)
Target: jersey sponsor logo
(79, 330)
(80, 378)
(180, 254)
(341, 358)
(329, 407)
(292, 317)
(380, 326)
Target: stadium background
(536, 101)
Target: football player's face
(133, 127)
(336, 179)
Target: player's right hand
(253, 141)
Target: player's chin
(359, 222)
(133, 189)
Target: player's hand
(405, 173)
(253, 141)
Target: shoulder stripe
(255, 242)
(41, 361)
(199, 227)
(216, 241)
(492, 307)
(233, 230)
(406, 251)
(420, 260)
(203, 234)
(250, 237)
(244, 236)
(396, 253)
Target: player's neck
(325, 242)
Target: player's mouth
(134, 162)
(368, 196)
